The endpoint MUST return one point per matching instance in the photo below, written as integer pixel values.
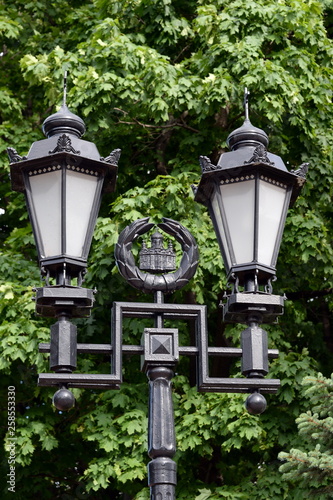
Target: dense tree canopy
(164, 82)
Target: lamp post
(247, 194)
(63, 178)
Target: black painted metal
(239, 305)
(240, 385)
(157, 259)
(229, 174)
(150, 283)
(248, 160)
(255, 351)
(165, 471)
(160, 351)
(225, 352)
(63, 150)
(160, 357)
(162, 470)
(54, 300)
(206, 383)
(63, 346)
(201, 350)
(87, 381)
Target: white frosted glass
(271, 203)
(46, 195)
(219, 226)
(238, 201)
(80, 194)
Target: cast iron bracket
(201, 350)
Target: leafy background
(164, 81)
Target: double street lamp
(247, 194)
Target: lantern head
(248, 193)
(63, 178)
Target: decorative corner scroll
(206, 165)
(113, 157)
(259, 156)
(64, 144)
(302, 170)
(14, 157)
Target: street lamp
(247, 194)
(63, 178)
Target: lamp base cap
(240, 306)
(52, 300)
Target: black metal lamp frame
(173, 312)
(21, 172)
(74, 265)
(159, 348)
(159, 351)
(213, 176)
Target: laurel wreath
(147, 282)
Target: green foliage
(164, 81)
(311, 465)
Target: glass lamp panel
(80, 196)
(238, 201)
(216, 216)
(46, 198)
(271, 210)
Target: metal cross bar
(90, 381)
(201, 350)
(225, 352)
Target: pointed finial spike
(65, 88)
(246, 103)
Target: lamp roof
(248, 156)
(247, 135)
(64, 122)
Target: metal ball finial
(63, 399)
(256, 403)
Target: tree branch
(176, 123)
(309, 294)
(145, 125)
